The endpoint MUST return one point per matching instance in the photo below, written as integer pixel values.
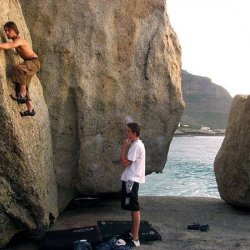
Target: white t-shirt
(136, 170)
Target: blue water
(189, 169)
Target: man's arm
(10, 45)
(124, 159)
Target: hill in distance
(207, 104)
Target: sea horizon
(188, 171)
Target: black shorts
(129, 199)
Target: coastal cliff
(207, 104)
(104, 63)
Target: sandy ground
(229, 227)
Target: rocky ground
(229, 226)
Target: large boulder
(105, 63)
(27, 182)
(232, 163)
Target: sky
(215, 40)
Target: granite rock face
(232, 163)
(27, 181)
(105, 63)
(207, 104)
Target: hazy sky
(215, 40)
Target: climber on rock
(24, 71)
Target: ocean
(189, 169)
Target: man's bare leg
(29, 105)
(19, 91)
(22, 97)
(30, 111)
(136, 219)
(23, 89)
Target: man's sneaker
(136, 243)
(28, 113)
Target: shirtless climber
(24, 71)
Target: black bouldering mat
(64, 239)
(110, 229)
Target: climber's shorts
(24, 71)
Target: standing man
(133, 160)
(24, 71)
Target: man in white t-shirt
(133, 160)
